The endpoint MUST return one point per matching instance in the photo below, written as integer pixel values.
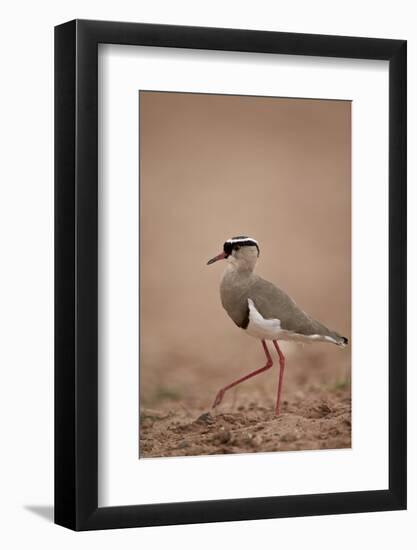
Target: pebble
(256, 441)
(205, 418)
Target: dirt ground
(316, 411)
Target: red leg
(281, 375)
(220, 395)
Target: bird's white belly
(270, 329)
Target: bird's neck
(240, 269)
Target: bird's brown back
(271, 302)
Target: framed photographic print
(214, 184)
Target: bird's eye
(237, 247)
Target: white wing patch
(267, 329)
(270, 329)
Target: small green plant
(341, 384)
(163, 392)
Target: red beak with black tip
(221, 256)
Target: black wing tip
(345, 340)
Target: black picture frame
(76, 273)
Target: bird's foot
(219, 398)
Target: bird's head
(241, 252)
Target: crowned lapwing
(263, 310)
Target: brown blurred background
(212, 167)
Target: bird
(263, 310)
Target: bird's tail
(342, 341)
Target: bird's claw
(219, 399)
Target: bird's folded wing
(274, 303)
